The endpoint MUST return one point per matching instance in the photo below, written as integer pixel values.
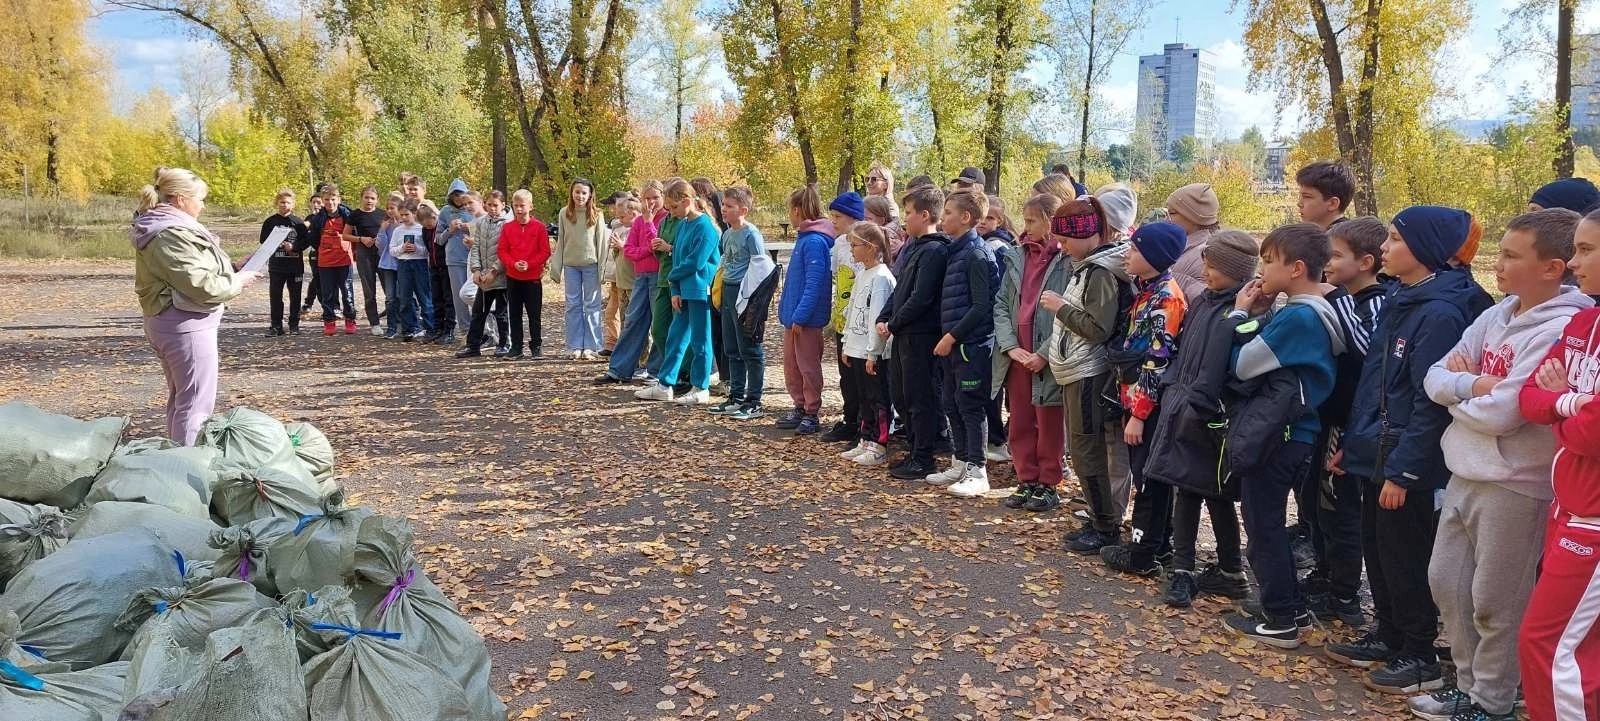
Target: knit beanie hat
(1433, 234)
(1575, 194)
(1160, 244)
(1197, 202)
(849, 203)
(1469, 249)
(1232, 253)
(1121, 206)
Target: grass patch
(97, 228)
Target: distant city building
(1277, 156)
(1177, 96)
(1586, 82)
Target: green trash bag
(50, 458)
(186, 534)
(68, 602)
(53, 692)
(299, 609)
(251, 439)
(178, 478)
(245, 553)
(312, 448)
(249, 672)
(368, 674)
(189, 613)
(395, 595)
(248, 494)
(27, 534)
(11, 651)
(320, 550)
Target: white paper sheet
(258, 260)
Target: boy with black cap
(971, 178)
(1393, 440)
(1575, 194)
(1140, 364)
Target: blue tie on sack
(353, 632)
(20, 677)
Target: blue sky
(146, 50)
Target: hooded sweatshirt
(180, 264)
(1089, 318)
(1488, 440)
(1420, 324)
(1576, 469)
(1303, 336)
(454, 241)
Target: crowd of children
(1348, 367)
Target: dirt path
(637, 561)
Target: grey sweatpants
(1481, 574)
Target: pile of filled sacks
(227, 581)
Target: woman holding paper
(182, 278)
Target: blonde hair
(1056, 184)
(970, 202)
(171, 183)
(872, 235)
(678, 188)
(998, 207)
(524, 195)
(807, 201)
(284, 193)
(426, 210)
(1044, 204)
(888, 176)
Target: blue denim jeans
(747, 362)
(416, 295)
(689, 339)
(582, 286)
(635, 328)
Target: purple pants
(186, 344)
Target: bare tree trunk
(999, 87)
(938, 136)
(52, 158)
(847, 163)
(1088, 92)
(791, 90)
(1565, 12)
(680, 92)
(493, 94)
(1343, 127)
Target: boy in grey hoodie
(1491, 525)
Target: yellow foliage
(53, 101)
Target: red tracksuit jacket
(1577, 462)
(529, 242)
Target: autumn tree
(1544, 31)
(1101, 29)
(682, 51)
(53, 100)
(1355, 65)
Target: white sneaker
(715, 378)
(654, 392)
(1000, 453)
(973, 484)
(696, 397)
(947, 476)
(855, 450)
(577, 355)
(377, 330)
(874, 455)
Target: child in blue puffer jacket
(804, 309)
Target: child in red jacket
(524, 250)
(1559, 647)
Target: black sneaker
(839, 433)
(790, 420)
(535, 352)
(605, 353)
(1405, 674)
(1228, 584)
(1441, 705)
(1477, 713)
(1277, 634)
(1344, 610)
(469, 353)
(808, 426)
(502, 351)
(914, 469)
(1044, 500)
(605, 379)
(1180, 589)
(724, 408)
(512, 355)
(1252, 608)
(1092, 541)
(1019, 497)
(1364, 652)
(274, 332)
(1121, 558)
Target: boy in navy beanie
(1392, 440)
(1575, 194)
(1147, 348)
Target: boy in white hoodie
(1491, 525)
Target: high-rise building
(1586, 82)
(1177, 96)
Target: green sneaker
(1020, 496)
